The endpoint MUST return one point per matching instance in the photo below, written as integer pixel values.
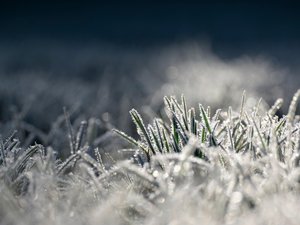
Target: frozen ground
(99, 84)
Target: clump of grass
(246, 132)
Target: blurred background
(100, 59)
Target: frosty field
(164, 136)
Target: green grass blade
(205, 118)
(140, 126)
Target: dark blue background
(144, 23)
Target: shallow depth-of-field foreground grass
(191, 166)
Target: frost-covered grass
(191, 166)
